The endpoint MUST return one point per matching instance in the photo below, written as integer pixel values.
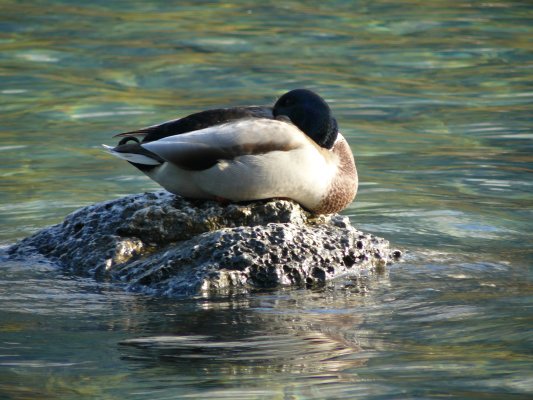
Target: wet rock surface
(166, 245)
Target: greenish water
(436, 101)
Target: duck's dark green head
(310, 113)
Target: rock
(166, 245)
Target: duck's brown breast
(343, 188)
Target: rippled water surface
(436, 101)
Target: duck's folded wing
(202, 149)
(198, 121)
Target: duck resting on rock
(292, 150)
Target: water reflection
(268, 336)
(190, 344)
(455, 318)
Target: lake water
(436, 101)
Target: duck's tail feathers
(140, 132)
(134, 154)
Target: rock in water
(166, 245)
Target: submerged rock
(166, 245)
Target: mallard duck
(292, 150)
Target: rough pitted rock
(166, 245)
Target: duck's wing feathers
(198, 121)
(200, 150)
